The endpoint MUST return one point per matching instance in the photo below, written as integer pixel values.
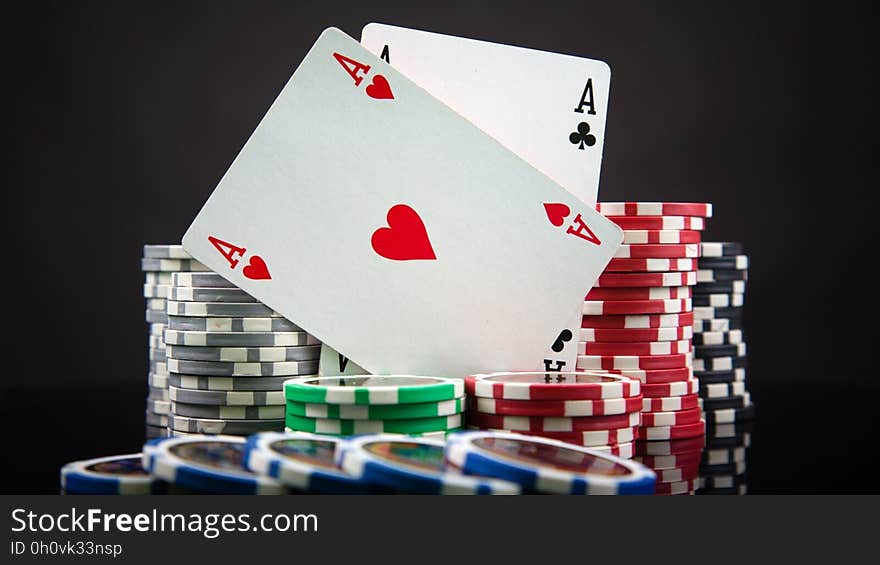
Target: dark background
(123, 116)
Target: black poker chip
(724, 403)
(730, 287)
(721, 275)
(718, 377)
(730, 415)
(738, 262)
(723, 350)
(720, 248)
(719, 312)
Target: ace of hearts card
(390, 227)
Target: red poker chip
(639, 237)
(636, 334)
(597, 438)
(658, 251)
(679, 388)
(679, 487)
(675, 461)
(615, 307)
(657, 376)
(700, 209)
(622, 450)
(634, 347)
(607, 407)
(678, 474)
(681, 417)
(682, 447)
(656, 433)
(638, 321)
(611, 362)
(639, 293)
(688, 278)
(671, 403)
(620, 264)
(551, 386)
(658, 222)
(553, 424)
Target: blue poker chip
(413, 465)
(547, 466)
(302, 461)
(118, 474)
(207, 464)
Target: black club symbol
(582, 136)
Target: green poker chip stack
(402, 404)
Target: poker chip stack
(720, 364)
(676, 463)
(228, 356)
(118, 474)
(719, 348)
(723, 465)
(367, 404)
(158, 264)
(638, 321)
(540, 465)
(201, 464)
(595, 410)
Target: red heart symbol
(379, 88)
(405, 238)
(556, 212)
(256, 269)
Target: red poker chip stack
(638, 322)
(676, 463)
(595, 410)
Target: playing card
(548, 108)
(388, 226)
(489, 84)
(561, 353)
(335, 364)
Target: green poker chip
(377, 411)
(356, 427)
(373, 389)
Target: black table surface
(808, 439)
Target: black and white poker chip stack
(228, 356)
(720, 360)
(719, 347)
(159, 262)
(723, 463)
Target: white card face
(335, 364)
(548, 108)
(561, 354)
(394, 230)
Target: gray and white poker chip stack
(228, 356)
(159, 262)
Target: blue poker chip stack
(415, 465)
(304, 463)
(203, 464)
(117, 474)
(546, 466)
